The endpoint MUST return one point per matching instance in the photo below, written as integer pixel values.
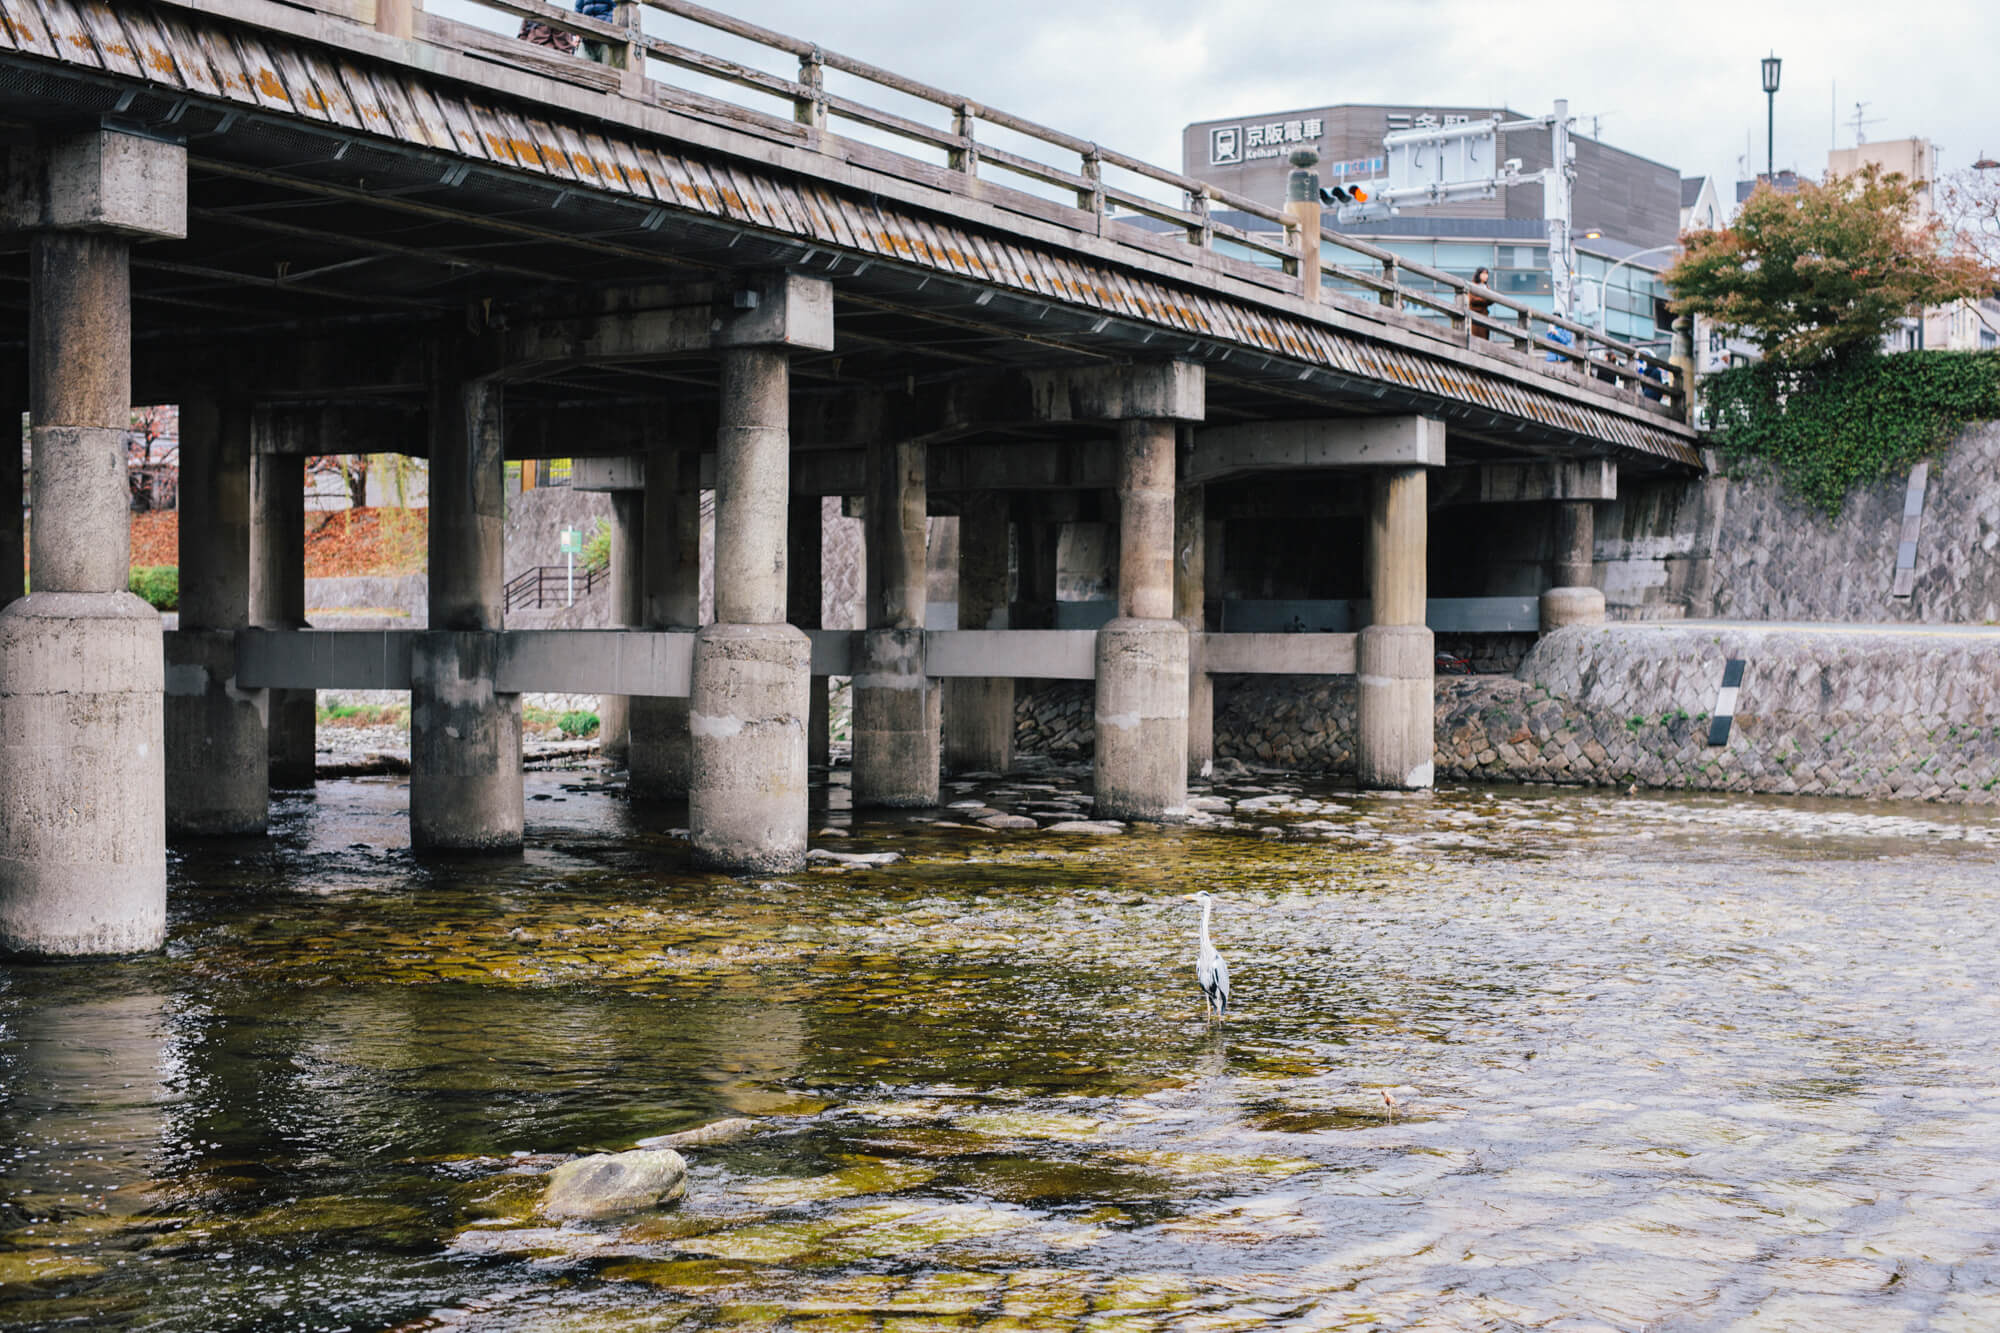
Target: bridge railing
(840, 97)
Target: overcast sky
(1676, 82)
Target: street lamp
(1770, 64)
(1605, 281)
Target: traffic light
(1336, 195)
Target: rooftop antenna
(1862, 120)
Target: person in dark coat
(1480, 304)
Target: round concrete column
(1395, 705)
(13, 406)
(1191, 609)
(628, 611)
(465, 736)
(659, 756)
(747, 714)
(278, 601)
(217, 746)
(805, 559)
(82, 769)
(1572, 600)
(1142, 656)
(898, 719)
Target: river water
(1501, 1059)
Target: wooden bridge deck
(341, 178)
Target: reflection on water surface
(1502, 1060)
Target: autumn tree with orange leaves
(1817, 276)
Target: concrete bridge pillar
(82, 768)
(1142, 656)
(13, 406)
(805, 559)
(278, 601)
(1040, 541)
(747, 715)
(898, 722)
(1571, 600)
(979, 713)
(660, 753)
(217, 746)
(465, 736)
(1395, 710)
(1191, 609)
(628, 609)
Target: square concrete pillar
(1395, 706)
(82, 769)
(898, 721)
(465, 736)
(217, 744)
(660, 755)
(747, 714)
(979, 712)
(1142, 655)
(278, 601)
(628, 611)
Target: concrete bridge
(349, 226)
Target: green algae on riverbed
(1503, 1059)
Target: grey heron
(1210, 972)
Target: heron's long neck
(1206, 908)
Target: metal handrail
(627, 48)
(548, 585)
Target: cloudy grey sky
(1677, 82)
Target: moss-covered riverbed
(1500, 1060)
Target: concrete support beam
(805, 551)
(1142, 656)
(1394, 713)
(1557, 479)
(278, 601)
(1292, 446)
(628, 609)
(217, 742)
(660, 757)
(465, 736)
(979, 713)
(1572, 600)
(747, 794)
(1190, 608)
(82, 770)
(898, 720)
(774, 311)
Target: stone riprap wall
(1889, 713)
(1742, 548)
(1054, 718)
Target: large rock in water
(609, 1184)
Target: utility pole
(1556, 183)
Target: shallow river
(1501, 1059)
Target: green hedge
(158, 584)
(1828, 430)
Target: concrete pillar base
(659, 755)
(465, 747)
(1395, 710)
(614, 734)
(1142, 719)
(898, 722)
(979, 725)
(747, 716)
(1201, 711)
(1571, 606)
(217, 741)
(83, 865)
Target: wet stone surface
(1500, 1059)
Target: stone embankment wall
(1741, 548)
(1888, 713)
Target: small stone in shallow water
(831, 832)
(1009, 822)
(854, 858)
(966, 805)
(1088, 827)
(608, 1184)
(733, 1130)
(1213, 804)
